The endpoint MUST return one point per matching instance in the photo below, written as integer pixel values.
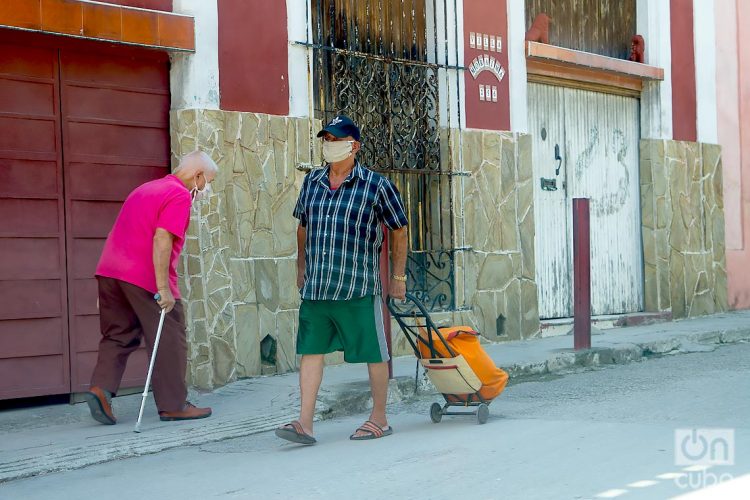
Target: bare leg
(379, 389)
(310, 376)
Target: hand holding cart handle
(409, 298)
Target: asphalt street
(614, 432)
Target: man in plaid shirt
(342, 209)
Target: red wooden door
(81, 125)
(115, 128)
(33, 294)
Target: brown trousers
(126, 313)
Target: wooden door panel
(34, 218)
(22, 338)
(25, 134)
(598, 136)
(553, 269)
(30, 259)
(116, 130)
(603, 136)
(601, 27)
(34, 354)
(85, 256)
(34, 376)
(84, 293)
(27, 98)
(92, 219)
(123, 69)
(108, 182)
(119, 105)
(20, 61)
(30, 298)
(27, 179)
(116, 142)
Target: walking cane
(150, 366)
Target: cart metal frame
(417, 312)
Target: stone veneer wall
(239, 263)
(683, 228)
(498, 272)
(238, 267)
(495, 284)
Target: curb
(351, 398)
(571, 361)
(78, 457)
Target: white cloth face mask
(200, 194)
(334, 151)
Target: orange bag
(465, 341)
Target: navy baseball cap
(341, 126)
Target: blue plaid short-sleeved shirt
(344, 232)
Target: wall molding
(101, 22)
(572, 68)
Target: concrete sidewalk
(63, 437)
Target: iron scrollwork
(430, 278)
(395, 104)
(371, 63)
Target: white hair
(201, 157)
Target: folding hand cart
(447, 368)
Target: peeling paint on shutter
(598, 136)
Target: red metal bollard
(581, 274)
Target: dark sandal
(373, 430)
(293, 432)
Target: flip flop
(373, 430)
(293, 432)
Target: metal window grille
(376, 61)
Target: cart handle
(409, 298)
(431, 326)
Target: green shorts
(354, 326)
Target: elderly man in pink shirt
(138, 261)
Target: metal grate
(376, 61)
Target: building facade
(488, 136)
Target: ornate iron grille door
(371, 61)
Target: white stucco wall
(300, 57)
(653, 23)
(704, 30)
(194, 78)
(519, 109)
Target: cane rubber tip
(137, 429)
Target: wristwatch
(399, 278)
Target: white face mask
(200, 194)
(334, 151)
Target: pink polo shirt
(128, 251)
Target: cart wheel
(483, 413)
(436, 413)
